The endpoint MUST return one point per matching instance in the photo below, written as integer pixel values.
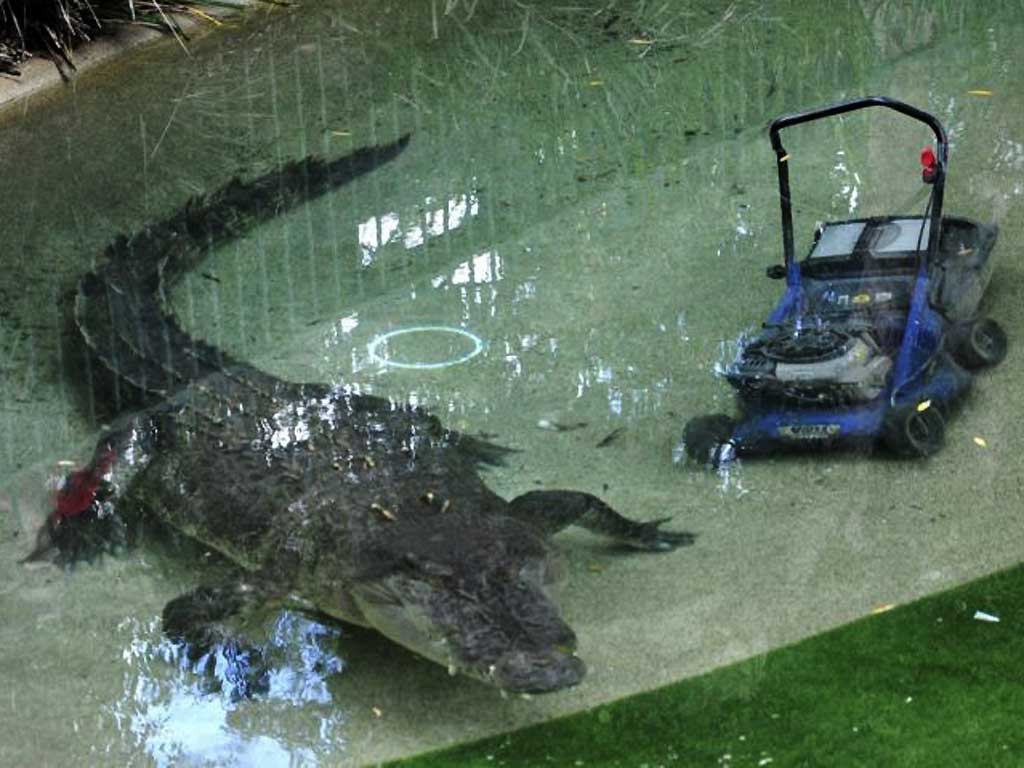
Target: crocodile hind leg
(551, 511)
(198, 620)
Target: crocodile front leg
(198, 620)
(551, 511)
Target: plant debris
(555, 426)
(611, 437)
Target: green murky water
(589, 192)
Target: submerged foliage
(53, 27)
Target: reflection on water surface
(180, 714)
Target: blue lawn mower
(877, 333)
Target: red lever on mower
(929, 165)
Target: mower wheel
(914, 433)
(979, 343)
(705, 437)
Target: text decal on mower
(809, 431)
(859, 299)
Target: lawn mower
(877, 334)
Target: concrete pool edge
(40, 77)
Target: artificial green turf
(925, 684)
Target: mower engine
(811, 365)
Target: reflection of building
(378, 231)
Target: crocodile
(340, 503)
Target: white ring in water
(373, 346)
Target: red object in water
(929, 165)
(80, 487)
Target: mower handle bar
(782, 158)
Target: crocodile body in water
(339, 503)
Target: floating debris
(595, 176)
(205, 17)
(555, 426)
(384, 512)
(611, 437)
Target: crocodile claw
(652, 537)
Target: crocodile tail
(121, 310)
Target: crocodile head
(476, 601)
